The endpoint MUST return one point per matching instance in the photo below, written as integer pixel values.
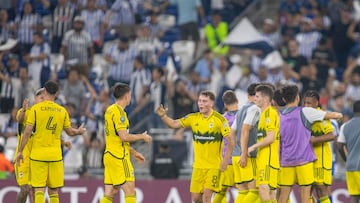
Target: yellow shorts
(205, 178)
(352, 182)
(267, 175)
(302, 175)
(322, 176)
(49, 174)
(227, 177)
(22, 172)
(117, 171)
(246, 174)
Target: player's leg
(129, 191)
(22, 195)
(196, 184)
(113, 177)
(284, 193)
(39, 172)
(355, 198)
(227, 181)
(322, 193)
(220, 196)
(213, 178)
(305, 176)
(55, 180)
(249, 173)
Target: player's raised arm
(171, 123)
(127, 137)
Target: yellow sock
(106, 199)
(130, 199)
(39, 197)
(258, 200)
(54, 198)
(325, 199)
(219, 197)
(241, 195)
(251, 196)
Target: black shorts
(189, 31)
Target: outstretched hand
(161, 110)
(147, 138)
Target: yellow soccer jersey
(115, 120)
(322, 150)
(208, 134)
(48, 120)
(21, 128)
(269, 121)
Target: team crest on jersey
(267, 120)
(122, 119)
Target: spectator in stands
(95, 25)
(215, 33)
(333, 9)
(27, 23)
(341, 42)
(39, 67)
(324, 59)
(10, 127)
(156, 30)
(290, 27)
(270, 32)
(206, 66)
(308, 79)
(307, 38)
(75, 92)
(163, 166)
(294, 60)
(8, 88)
(99, 4)
(158, 96)
(140, 80)
(121, 60)
(147, 47)
(7, 26)
(77, 46)
(94, 154)
(188, 19)
(218, 83)
(123, 16)
(157, 6)
(337, 103)
(25, 87)
(62, 22)
(353, 88)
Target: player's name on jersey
(48, 108)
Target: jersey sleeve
(313, 115)
(252, 115)
(119, 121)
(341, 138)
(67, 123)
(30, 119)
(225, 128)
(270, 121)
(186, 120)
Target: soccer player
(321, 135)
(22, 172)
(268, 141)
(119, 172)
(209, 128)
(227, 179)
(245, 128)
(46, 120)
(296, 154)
(350, 140)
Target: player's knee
(196, 198)
(25, 189)
(52, 191)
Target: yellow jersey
(48, 120)
(115, 120)
(322, 150)
(21, 128)
(208, 136)
(269, 121)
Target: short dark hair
(159, 70)
(209, 94)
(313, 94)
(356, 106)
(251, 89)
(229, 97)
(51, 87)
(120, 89)
(278, 97)
(265, 90)
(289, 93)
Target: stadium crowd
(317, 39)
